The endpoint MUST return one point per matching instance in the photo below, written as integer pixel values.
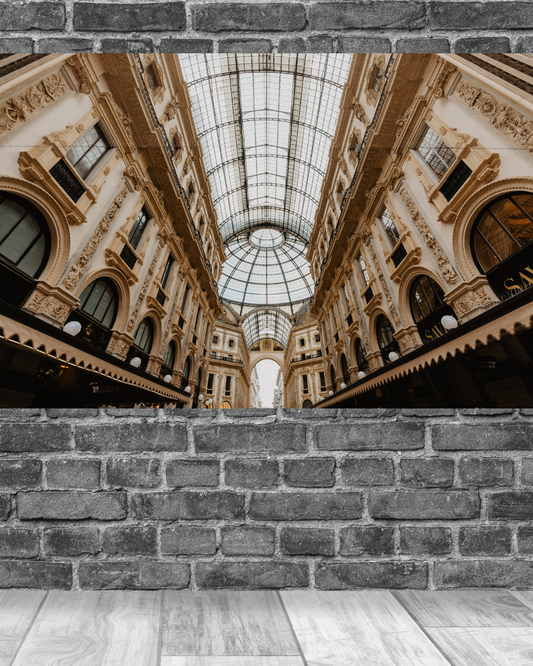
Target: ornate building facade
(167, 222)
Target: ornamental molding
(28, 103)
(78, 268)
(444, 264)
(384, 286)
(144, 289)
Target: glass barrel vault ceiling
(265, 123)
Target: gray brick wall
(337, 499)
(258, 26)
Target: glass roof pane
(265, 122)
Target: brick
(200, 473)
(272, 17)
(479, 15)
(527, 471)
(127, 46)
(72, 412)
(424, 45)
(245, 46)
(65, 45)
(485, 540)
(525, 540)
(19, 543)
(106, 438)
(130, 540)
(20, 474)
(73, 474)
(426, 472)
(480, 437)
(271, 437)
(486, 472)
(134, 472)
(71, 541)
(523, 45)
(353, 575)
(425, 540)
(367, 540)
(248, 540)
(5, 506)
(251, 473)
(22, 414)
(188, 541)
(16, 45)
(186, 46)
(310, 473)
(251, 575)
(510, 506)
(356, 44)
(424, 505)
(367, 471)
(364, 15)
(32, 16)
(189, 505)
(40, 575)
(482, 45)
(138, 575)
(317, 44)
(124, 17)
(71, 505)
(31, 437)
(399, 436)
(483, 573)
(307, 541)
(306, 506)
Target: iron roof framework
(267, 324)
(265, 123)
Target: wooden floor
(367, 628)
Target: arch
(225, 404)
(468, 215)
(344, 372)
(187, 368)
(360, 354)
(265, 356)
(307, 404)
(169, 355)
(372, 326)
(156, 321)
(144, 335)
(99, 300)
(119, 280)
(57, 224)
(332, 376)
(406, 282)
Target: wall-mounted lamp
(393, 356)
(361, 374)
(135, 361)
(343, 385)
(72, 328)
(167, 378)
(187, 389)
(449, 322)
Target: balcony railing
(307, 357)
(226, 357)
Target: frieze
(80, 72)
(447, 270)
(144, 289)
(17, 109)
(77, 269)
(384, 286)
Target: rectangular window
(87, 151)
(228, 385)
(138, 228)
(68, 181)
(197, 318)
(210, 381)
(174, 143)
(231, 344)
(305, 384)
(302, 342)
(152, 78)
(456, 180)
(215, 339)
(317, 338)
(166, 271)
(184, 301)
(437, 154)
(206, 334)
(391, 232)
(363, 273)
(322, 381)
(377, 79)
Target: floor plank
(363, 627)
(231, 661)
(17, 610)
(486, 646)
(466, 608)
(94, 629)
(225, 623)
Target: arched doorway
(386, 340)
(270, 377)
(344, 368)
(307, 404)
(426, 299)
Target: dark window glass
(215, 339)
(438, 155)
(138, 227)
(391, 232)
(184, 301)
(166, 271)
(503, 227)
(317, 338)
(198, 319)
(152, 78)
(377, 79)
(174, 143)
(169, 356)
(305, 383)
(186, 370)
(360, 355)
(128, 257)
(385, 332)
(63, 175)
(100, 300)
(363, 273)
(399, 255)
(144, 335)
(322, 381)
(231, 344)
(87, 151)
(456, 180)
(228, 385)
(24, 235)
(307, 404)
(210, 381)
(425, 297)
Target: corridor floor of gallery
(266, 628)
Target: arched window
(360, 355)
(344, 368)
(169, 357)
(307, 404)
(225, 405)
(502, 243)
(425, 297)
(24, 235)
(386, 340)
(144, 335)
(332, 376)
(186, 371)
(100, 301)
